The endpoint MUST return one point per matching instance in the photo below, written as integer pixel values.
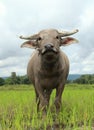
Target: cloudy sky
(25, 17)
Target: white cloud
(2, 9)
(13, 64)
(87, 17)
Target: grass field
(18, 109)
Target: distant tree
(2, 81)
(18, 80)
(69, 81)
(24, 80)
(8, 81)
(91, 81)
(14, 78)
(85, 79)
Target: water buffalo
(48, 67)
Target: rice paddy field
(18, 109)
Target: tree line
(83, 79)
(13, 79)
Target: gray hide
(48, 67)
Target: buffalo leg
(59, 91)
(37, 100)
(41, 100)
(47, 94)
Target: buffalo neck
(54, 64)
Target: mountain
(73, 76)
(4, 77)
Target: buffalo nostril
(48, 46)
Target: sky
(28, 17)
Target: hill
(73, 76)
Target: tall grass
(18, 110)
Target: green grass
(18, 109)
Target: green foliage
(24, 80)
(2, 81)
(69, 81)
(16, 87)
(85, 79)
(79, 86)
(13, 78)
(17, 80)
(18, 110)
(12, 81)
(8, 81)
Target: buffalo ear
(67, 41)
(29, 44)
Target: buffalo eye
(39, 39)
(57, 37)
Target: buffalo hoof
(57, 104)
(43, 105)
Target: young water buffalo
(49, 66)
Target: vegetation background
(14, 79)
(18, 105)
